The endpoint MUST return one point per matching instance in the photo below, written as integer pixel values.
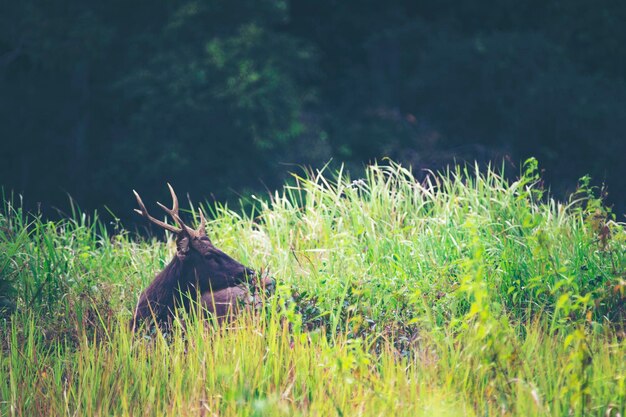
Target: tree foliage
(98, 97)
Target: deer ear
(182, 247)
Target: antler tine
(144, 213)
(174, 199)
(174, 211)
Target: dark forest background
(224, 98)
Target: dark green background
(223, 97)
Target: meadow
(466, 293)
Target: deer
(198, 271)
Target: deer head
(198, 266)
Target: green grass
(465, 294)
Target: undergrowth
(463, 294)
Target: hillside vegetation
(465, 294)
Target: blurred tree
(217, 94)
(100, 97)
(430, 82)
(50, 56)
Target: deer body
(199, 270)
(159, 299)
(227, 303)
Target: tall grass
(464, 294)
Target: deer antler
(172, 212)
